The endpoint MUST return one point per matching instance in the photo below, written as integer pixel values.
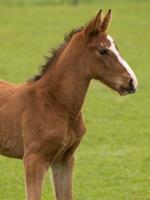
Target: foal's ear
(106, 21)
(93, 28)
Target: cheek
(112, 75)
(114, 67)
(118, 80)
(109, 61)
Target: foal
(41, 120)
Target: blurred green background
(36, 2)
(113, 161)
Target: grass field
(113, 161)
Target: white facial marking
(122, 61)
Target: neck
(66, 86)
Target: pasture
(113, 160)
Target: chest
(72, 140)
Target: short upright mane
(55, 53)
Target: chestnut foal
(41, 120)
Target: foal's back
(10, 124)
(6, 91)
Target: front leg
(35, 168)
(62, 176)
(62, 169)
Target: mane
(55, 53)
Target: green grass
(113, 161)
(45, 2)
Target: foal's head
(101, 58)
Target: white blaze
(122, 61)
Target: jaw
(123, 91)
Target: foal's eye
(103, 51)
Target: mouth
(125, 91)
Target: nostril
(130, 89)
(131, 84)
(131, 81)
